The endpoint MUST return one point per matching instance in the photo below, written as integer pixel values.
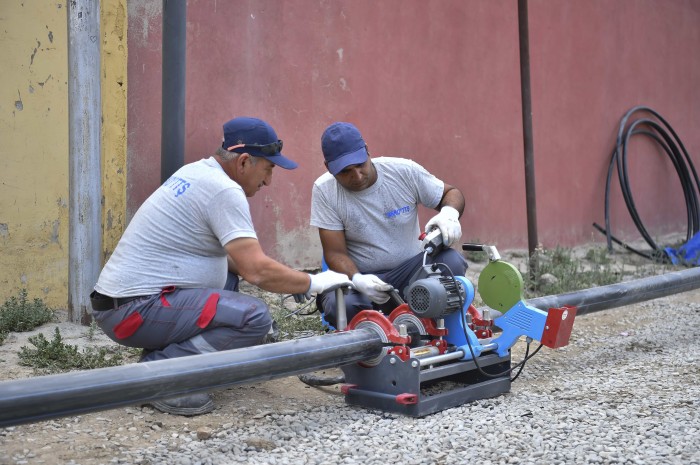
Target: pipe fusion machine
(439, 351)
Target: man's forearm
(453, 198)
(341, 263)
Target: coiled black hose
(662, 132)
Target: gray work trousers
(181, 322)
(399, 277)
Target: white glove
(448, 223)
(326, 281)
(374, 288)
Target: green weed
(18, 314)
(56, 356)
(559, 271)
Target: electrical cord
(671, 144)
(298, 310)
(519, 365)
(313, 380)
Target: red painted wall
(437, 81)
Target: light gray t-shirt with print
(381, 222)
(177, 237)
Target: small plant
(19, 314)
(92, 330)
(56, 356)
(558, 271)
(293, 325)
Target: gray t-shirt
(380, 222)
(177, 237)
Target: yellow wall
(34, 143)
(113, 28)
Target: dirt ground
(97, 438)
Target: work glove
(448, 223)
(374, 288)
(326, 281)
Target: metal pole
(85, 183)
(526, 95)
(172, 143)
(45, 397)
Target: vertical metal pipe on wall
(523, 34)
(172, 145)
(85, 182)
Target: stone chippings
(623, 393)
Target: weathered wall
(34, 150)
(439, 82)
(591, 62)
(113, 27)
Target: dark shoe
(273, 335)
(190, 405)
(144, 355)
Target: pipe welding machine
(439, 350)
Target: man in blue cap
(366, 212)
(170, 287)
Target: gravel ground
(626, 390)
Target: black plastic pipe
(172, 142)
(45, 397)
(626, 293)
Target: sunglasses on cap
(267, 149)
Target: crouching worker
(366, 212)
(171, 285)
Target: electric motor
(435, 296)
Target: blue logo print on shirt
(178, 185)
(398, 211)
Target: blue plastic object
(520, 320)
(687, 254)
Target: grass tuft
(56, 356)
(18, 314)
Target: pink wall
(437, 81)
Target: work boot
(273, 335)
(189, 405)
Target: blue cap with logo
(342, 146)
(257, 138)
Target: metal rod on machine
(45, 397)
(618, 295)
(340, 311)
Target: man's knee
(259, 320)
(454, 261)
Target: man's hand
(374, 288)
(327, 281)
(448, 223)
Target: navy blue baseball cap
(257, 138)
(342, 146)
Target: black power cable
(660, 131)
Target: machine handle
(473, 247)
(489, 249)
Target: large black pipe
(172, 142)
(45, 397)
(41, 398)
(626, 293)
